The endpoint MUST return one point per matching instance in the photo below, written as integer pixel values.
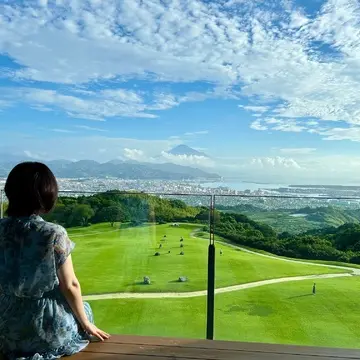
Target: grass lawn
(110, 259)
(281, 313)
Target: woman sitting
(42, 312)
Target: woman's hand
(92, 330)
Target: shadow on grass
(299, 296)
(162, 253)
(141, 283)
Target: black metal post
(1, 204)
(211, 275)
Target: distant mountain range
(114, 168)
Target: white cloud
(137, 39)
(65, 131)
(89, 105)
(195, 133)
(188, 136)
(285, 125)
(329, 169)
(120, 95)
(4, 104)
(123, 39)
(83, 147)
(32, 155)
(43, 2)
(332, 169)
(95, 106)
(265, 51)
(273, 162)
(297, 151)
(289, 126)
(298, 19)
(134, 154)
(89, 128)
(255, 108)
(350, 133)
(273, 121)
(188, 160)
(256, 125)
(99, 105)
(164, 102)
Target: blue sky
(268, 89)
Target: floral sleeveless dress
(36, 321)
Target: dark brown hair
(31, 188)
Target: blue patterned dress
(36, 321)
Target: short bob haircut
(31, 189)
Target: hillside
(118, 169)
(297, 220)
(329, 215)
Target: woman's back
(37, 318)
(42, 312)
(30, 248)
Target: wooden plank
(191, 353)
(153, 340)
(102, 356)
(238, 346)
(179, 356)
(168, 351)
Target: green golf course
(283, 313)
(109, 260)
(112, 260)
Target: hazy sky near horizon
(268, 89)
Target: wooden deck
(147, 348)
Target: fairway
(108, 260)
(283, 313)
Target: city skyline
(267, 89)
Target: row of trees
(338, 244)
(115, 207)
(335, 244)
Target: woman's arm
(70, 288)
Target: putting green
(108, 259)
(282, 313)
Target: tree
(58, 215)
(177, 204)
(80, 215)
(203, 215)
(111, 214)
(347, 237)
